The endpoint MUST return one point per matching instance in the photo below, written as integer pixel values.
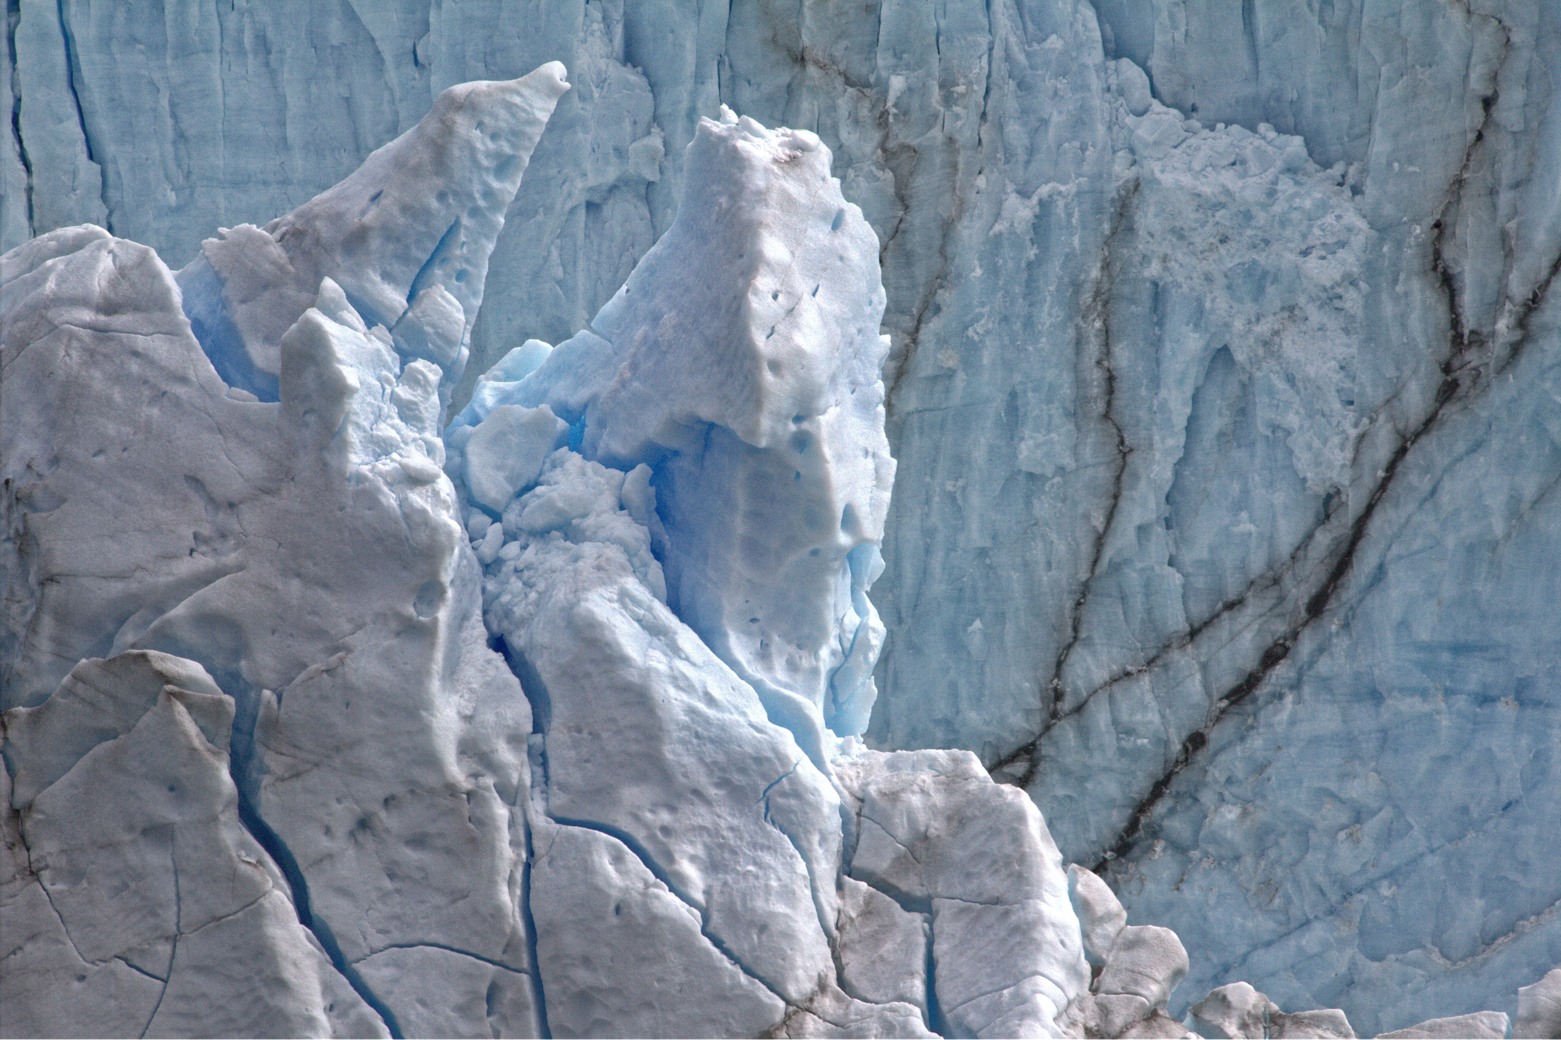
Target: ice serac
(1006, 953)
(373, 747)
(678, 540)
(741, 363)
(410, 256)
(259, 751)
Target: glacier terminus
(614, 518)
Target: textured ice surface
(502, 787)
(1222, 389)
(681, 585)
(152, 507)
(133, 910)
(740, 364)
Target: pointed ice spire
(741, 362)
(407, 236)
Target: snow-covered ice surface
(1221, 381)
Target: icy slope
(1203, 531)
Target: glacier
(363, 758)
(1219, 382)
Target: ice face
(410, 755)
(740, 364)
(1193, 531)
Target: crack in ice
(13, 17)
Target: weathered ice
(1222, 381)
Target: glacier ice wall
(1221, 363)
(501, 787)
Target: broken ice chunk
(506, 452)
